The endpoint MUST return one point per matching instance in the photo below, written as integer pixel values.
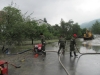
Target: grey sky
(53, 10)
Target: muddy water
(50, 65)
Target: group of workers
(62, 44)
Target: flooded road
(49, 65)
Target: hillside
(89, 24)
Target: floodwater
(82, 65)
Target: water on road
(49, 65)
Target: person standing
(61, 43)
(43, 43)
(72, 45)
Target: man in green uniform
(61, 43)
(72, 45)
(43, 43)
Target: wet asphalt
(50, 65)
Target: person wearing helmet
(61, 43)
(72, 45)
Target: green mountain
(89, 24)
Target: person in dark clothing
(61, 43)
(43, 43)
(72, 45)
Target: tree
(96, 28)
(45, 20)
(30, 30)
(13, 24)
(56, 30)
(77, 29)
(63, 27)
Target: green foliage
(12, 25)
(16, 27)
(77, 29)
(56, 30)
(69, 28)
(96, 28)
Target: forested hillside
(89, 24)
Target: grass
(27, 45)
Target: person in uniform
(43, 43)
(61, 43)
(72, 45)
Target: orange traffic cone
(36, 55)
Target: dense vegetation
(17, 27)
(96, 28)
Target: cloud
(53, 10)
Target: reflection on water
(91, 45)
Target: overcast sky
(79, 11)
